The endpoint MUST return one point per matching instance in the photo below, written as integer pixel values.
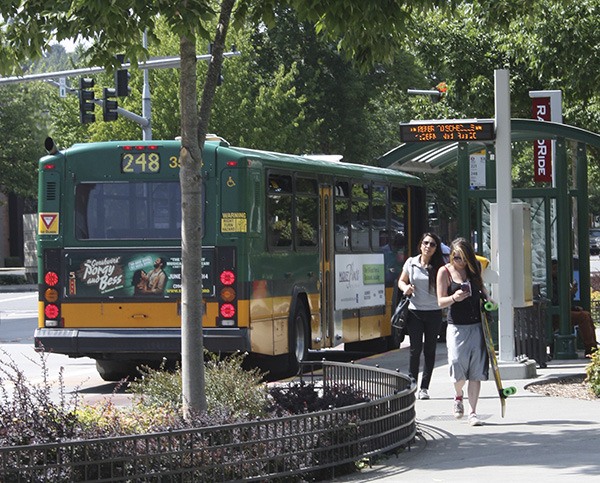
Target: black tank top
(467, 311)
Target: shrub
(593, 373)
(29, 414)
(298, 398)
(595, 283)
(229, 388)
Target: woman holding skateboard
(417, 281)
(460, 287)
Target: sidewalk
(540, 438)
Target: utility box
(521, 244)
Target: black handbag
(400, 315)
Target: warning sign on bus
(48, 224)
(234, 223)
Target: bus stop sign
(451, 130)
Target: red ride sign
(542, 148)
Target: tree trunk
(194, 126)
(190, 178)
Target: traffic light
(109, 106)
(86, 100)
(121, 79)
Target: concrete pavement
(541, 438)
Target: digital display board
(447, 130)
(140, 162)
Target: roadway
(18, 320)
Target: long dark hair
(437, 259)
(463, 247)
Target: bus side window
(279, 210)
(380, 239)
(359, 228)
(307, 213)
(342, 216)
(398, 222)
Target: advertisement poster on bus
(138, 274)
(359, 281)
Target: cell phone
(465, 287)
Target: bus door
(327, 266)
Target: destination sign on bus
(448, 130)
(140, 162)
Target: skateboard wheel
(489, 306)
(509, 391)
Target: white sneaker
(423, 394)
(458, 408)
(474, 420)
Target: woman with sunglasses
(460, 287)
(417, 280)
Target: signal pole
(144, 119)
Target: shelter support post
(564, 341)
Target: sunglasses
(429, 243)
(457, 259)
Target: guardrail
(316, 444)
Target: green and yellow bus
(299, 252)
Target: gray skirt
(467, 355)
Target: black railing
(316, 444)
(595, 311)
(530, 332)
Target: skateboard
(503, 392)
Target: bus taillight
(227, 311)
(51, 288)
(227, 298)
(228, 294)
(51, 295)
(227, 277)
(51, 279)
(51, 311)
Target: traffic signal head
(109, 106)
(121, 79)
(86, 100)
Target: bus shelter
(559, 210)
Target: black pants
(423, 324)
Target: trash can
(530, 332)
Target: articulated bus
(298, 253)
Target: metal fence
(595, 311)
(315, 445)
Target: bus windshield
(132, 210)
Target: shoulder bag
(400, 315)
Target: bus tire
(113, 371)
(298, 340)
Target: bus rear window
(138, 210)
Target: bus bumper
(134, 342)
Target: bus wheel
(298, 347)
(115, 370)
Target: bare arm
(405, 285)
(443, 281)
